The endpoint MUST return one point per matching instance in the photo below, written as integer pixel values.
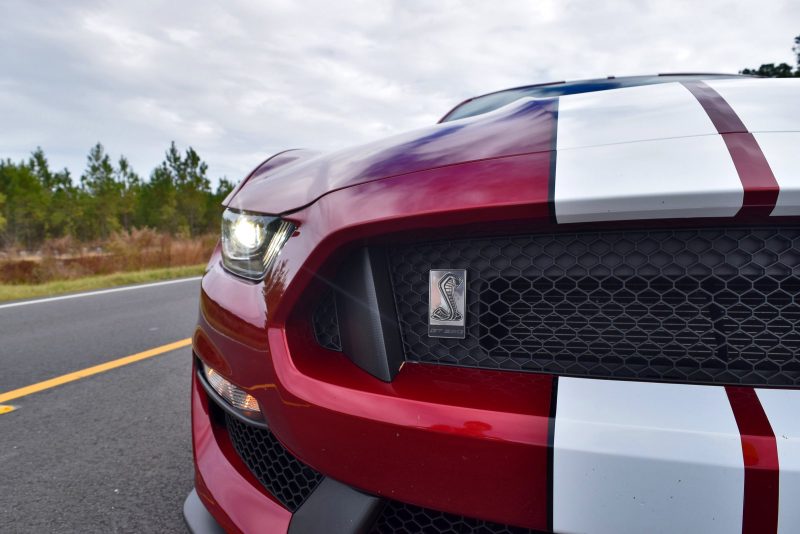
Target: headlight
(251, 242)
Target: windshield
(492, 101)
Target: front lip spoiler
(197, 517)
(332, 507)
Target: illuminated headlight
(245, 403)
(251, 242)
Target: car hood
(293, 179)
(582, 127)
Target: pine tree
(103, 194)
(130, 185)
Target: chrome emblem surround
(447, 308)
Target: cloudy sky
(239, 80)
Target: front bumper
(469, 442)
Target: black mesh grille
(326, 323)
(284, 476)
(402, 518)
(701, 306)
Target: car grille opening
(717, 306)
(401, 518)
(326, 322)
(283, 475)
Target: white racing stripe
(652, 152)
(100, 292)
(647, 152)
(663, 179)
(645, 457)
(782, 407)
(630, 114)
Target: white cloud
(242, 79)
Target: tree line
(38, 203)
(780, 70)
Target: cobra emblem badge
(447, 303)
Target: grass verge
(88, 283)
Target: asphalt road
(107, 453)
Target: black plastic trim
(368, 327)
(197, 517)
(222, 403)
(336, 507)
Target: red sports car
(571, 307)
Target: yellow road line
(5, 408)
(89, 371)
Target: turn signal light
(242, 401)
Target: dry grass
(26, 291)
(64, 259)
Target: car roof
(496, 99)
